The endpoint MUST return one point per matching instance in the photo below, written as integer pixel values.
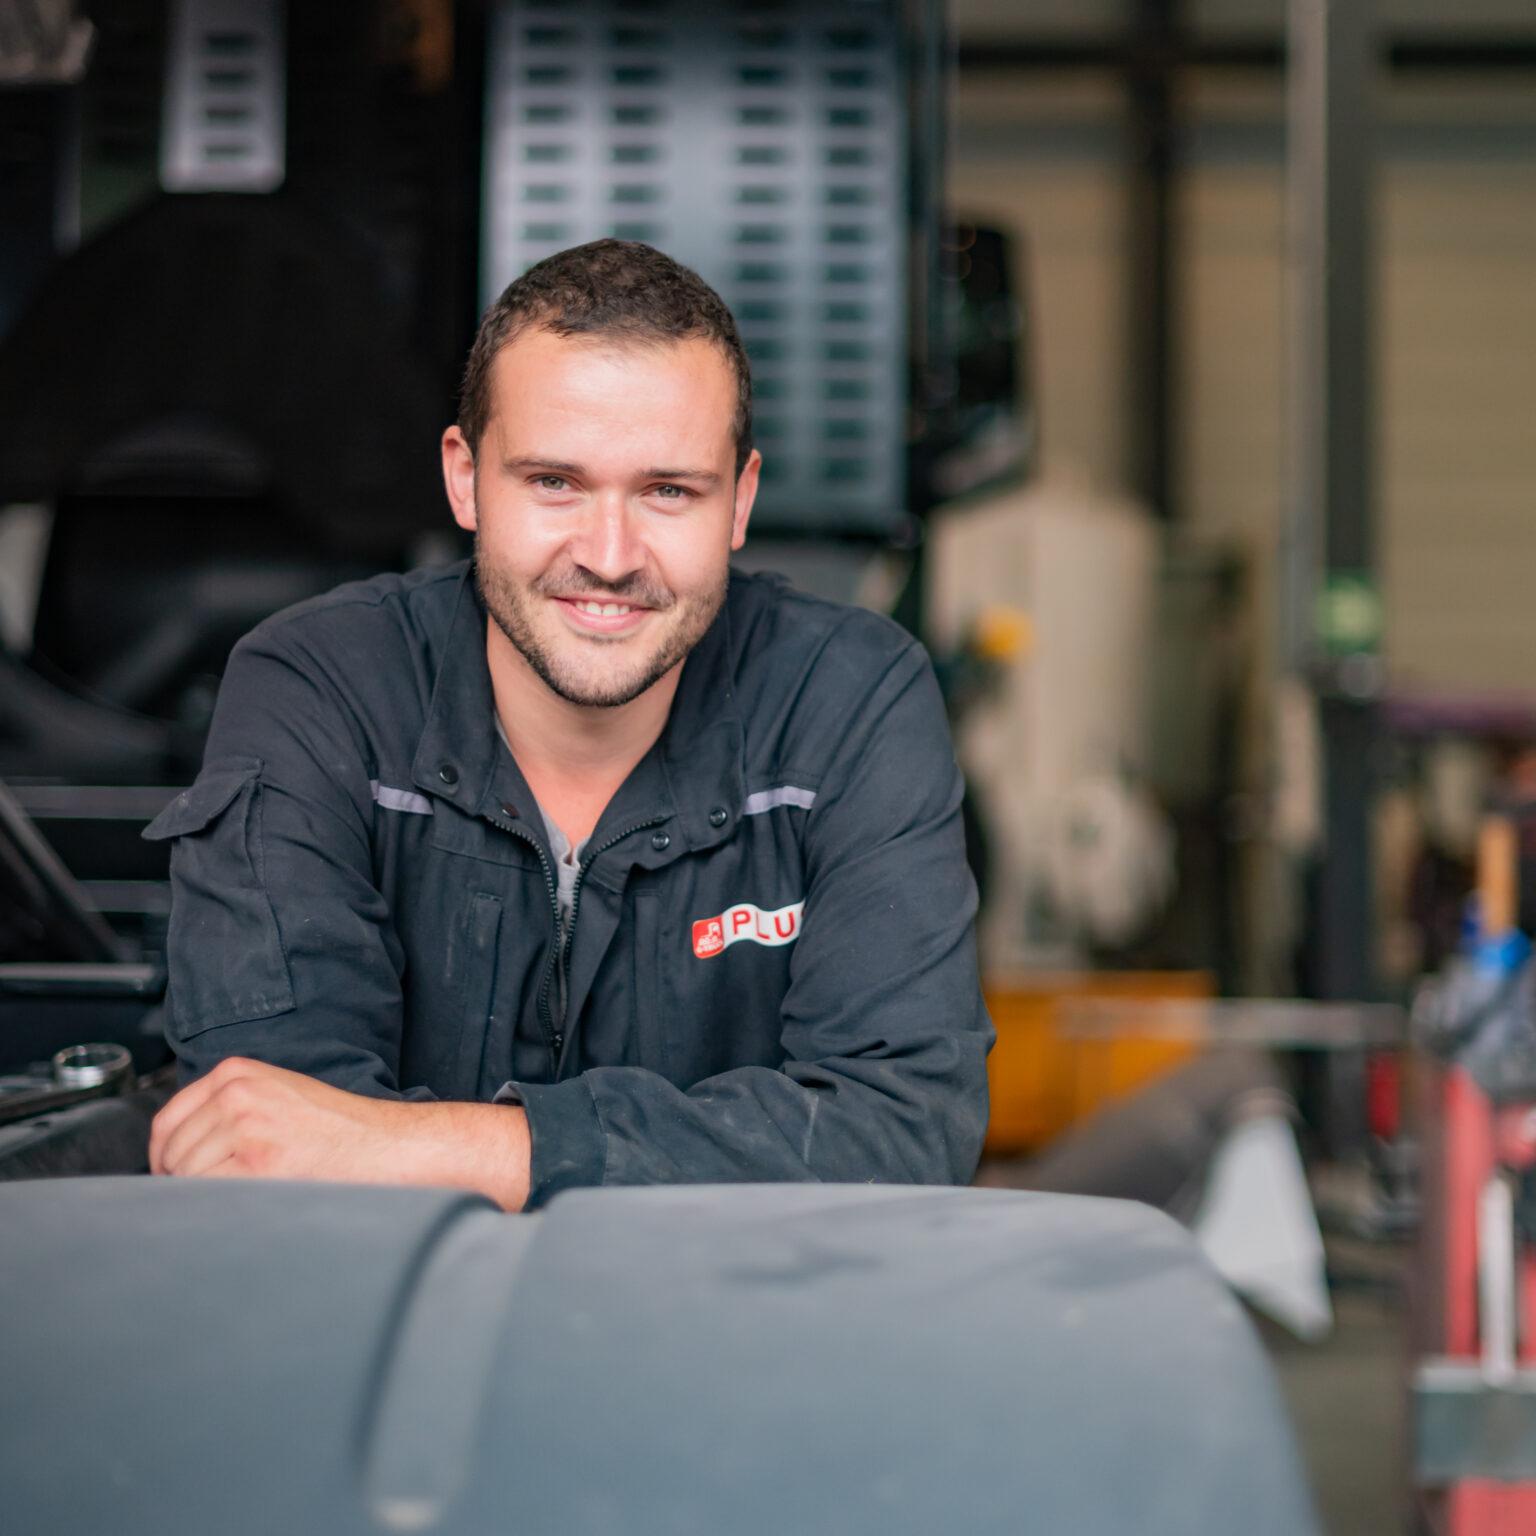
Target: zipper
(581, 875)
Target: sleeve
(884, 1029)
(283, 804)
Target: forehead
(626, 392)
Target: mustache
(637, 589)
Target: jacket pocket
(226, 956)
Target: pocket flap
(205, 801)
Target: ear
(746, 494)
(459, 478)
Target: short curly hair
(617, 288)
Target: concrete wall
(1456, 316)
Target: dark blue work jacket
(771, 973)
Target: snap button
(660, 841)
(718, 816)
(508, 809)
(448, 774)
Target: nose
(608, 543)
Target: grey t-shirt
(567, 865)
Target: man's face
(604, 506)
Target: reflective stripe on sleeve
(400, 799)
(780, 794)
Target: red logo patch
(711, 935)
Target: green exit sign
(1349, 614)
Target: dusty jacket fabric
(771, 973)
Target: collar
(457, 751)
(693, 774)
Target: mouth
(596, 616)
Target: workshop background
(1167, 366)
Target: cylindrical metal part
(94, 1066)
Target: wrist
(484, 1147)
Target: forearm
(246, 1119)
(893, 1121)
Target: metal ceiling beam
(1404, 54)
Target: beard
(593, 670)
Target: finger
(169, 1119)
(223, 1105)
(176, 1150)
(205, 1141)
(230, 1168)
(188, 1102)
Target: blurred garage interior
(1165, 366)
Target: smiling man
(590, 862)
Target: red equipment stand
(1473, 1395)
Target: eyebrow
(547, 464)
(704, 477)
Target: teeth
(604, 610)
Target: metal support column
(1151, 81)
(1330, 607)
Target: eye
(671, 492)
(552, 483)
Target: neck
(574, 756)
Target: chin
(613, 681)
(598, 692)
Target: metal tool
(79, 1072)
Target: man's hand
(245, 1119)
